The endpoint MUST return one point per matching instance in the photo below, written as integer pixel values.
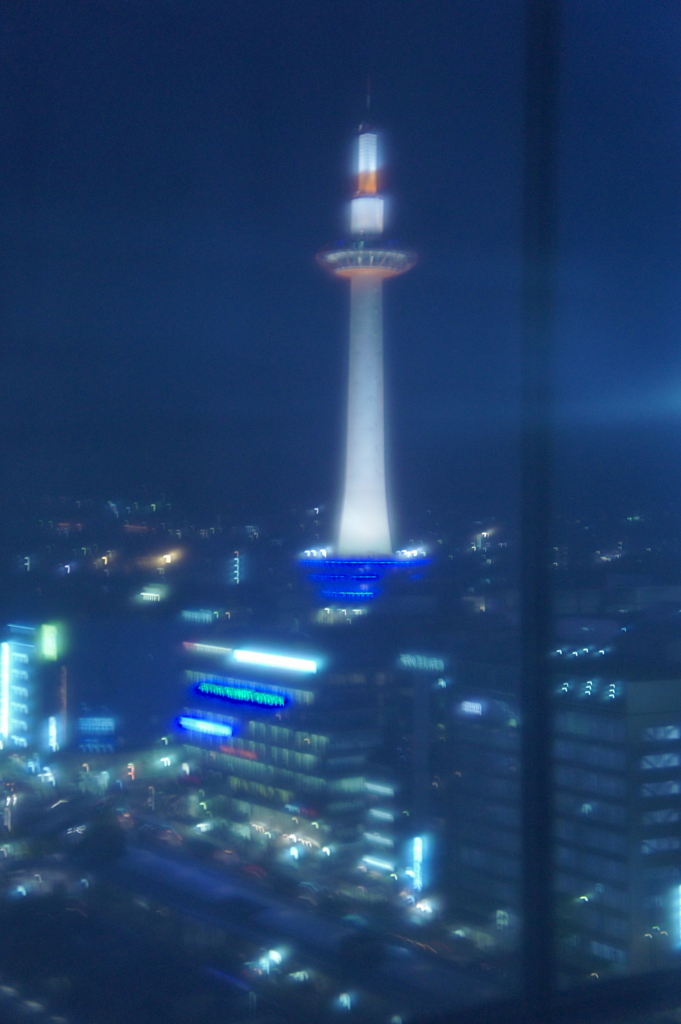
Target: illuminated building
(97, 732)
(334, 753)
(406, 811)
(418, 726)
(618, 825)
(617, 798)
(366, 261)
(31, 688)
(292, 741)
(484, 815)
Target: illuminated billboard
(205, 726)
(421, 663)
(241, 692)
(96, 725)
(275, 661)
(49, 646)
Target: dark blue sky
(169, 170)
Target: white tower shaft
(364, 527)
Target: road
(406, 978)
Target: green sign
(48, 642)
(242, 694)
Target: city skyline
(340, 626)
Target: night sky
(169, 169)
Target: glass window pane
(614, 665)
(260, 685)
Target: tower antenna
(365, 125)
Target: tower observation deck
(366, 261)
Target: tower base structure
(359, 581)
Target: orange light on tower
(367, 207)
(367, 164)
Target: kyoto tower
(366, 260)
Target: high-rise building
(617, 800)
(618, 808)
(484, 814)
(32, 689)
(366, 260)
(290, 738)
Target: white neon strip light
(4, 689)
(276, 661)
(374, 787)
(367, 160)
(380, 815)
(374, 862)
(375, 837)
(207, 648)
(418, 863)
(204, 725)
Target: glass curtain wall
(276, 776)
(615, 679)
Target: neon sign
(340, 576)
(418, 661)
(418, 853)
(374, 862)
(242, 693)
(239, 752)
(471, 707)
(206, 648)
(96, 725)
(205, 725)
(417, 862)
(275, 661)
(48, 642)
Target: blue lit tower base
(359, 580)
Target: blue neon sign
(205, 726)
